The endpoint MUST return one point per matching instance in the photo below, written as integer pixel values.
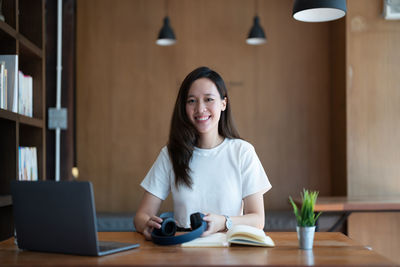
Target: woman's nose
(200, 107)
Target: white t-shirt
(222, 177)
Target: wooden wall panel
(373, 120)
(126, 88)
(379, 231)
(373, 101)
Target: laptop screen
(55, 216)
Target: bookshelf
(22, 34)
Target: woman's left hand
(215, 223)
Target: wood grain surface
(330, 249)
(373, 121)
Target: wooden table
(348, 205)
(330, 249)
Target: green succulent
(306, 216)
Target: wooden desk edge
(286, 241)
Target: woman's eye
(190, 101)
(210, 99)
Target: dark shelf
(29, 48)
(22, 34)
(9, 12)
(8, 39)
(10, 34)
(22, 119)
(30, 18)
(8, 29)
(9, 115)
(5, 200)
(30, 121)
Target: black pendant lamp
(256, 34)
(166, 35)
(319, 10)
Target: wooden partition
(373, 121)
(126, 88)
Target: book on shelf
(10, 82)
(238, 235)
(25, 94)
(28, 170)
(3, 83)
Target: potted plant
(306, 218)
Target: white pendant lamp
(319, 10)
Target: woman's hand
(253, 215)
(215, 223)
(153, 222)
(145, 219)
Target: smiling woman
(206, 166)
(199, 87)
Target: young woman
(205, 165)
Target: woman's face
(204, 106)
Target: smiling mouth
(202, 118)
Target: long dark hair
(183, 136)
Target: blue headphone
(166, 234)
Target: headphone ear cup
(168, 228)
(165, 235)
(196, 219)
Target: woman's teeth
(202, 118)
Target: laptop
(59, 217)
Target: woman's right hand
(145, 219)
(152, 222)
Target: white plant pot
(305, 236)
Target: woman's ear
(224, 102)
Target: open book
(239, 234)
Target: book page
(266, 242)
(213, 240)
(248, 235)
